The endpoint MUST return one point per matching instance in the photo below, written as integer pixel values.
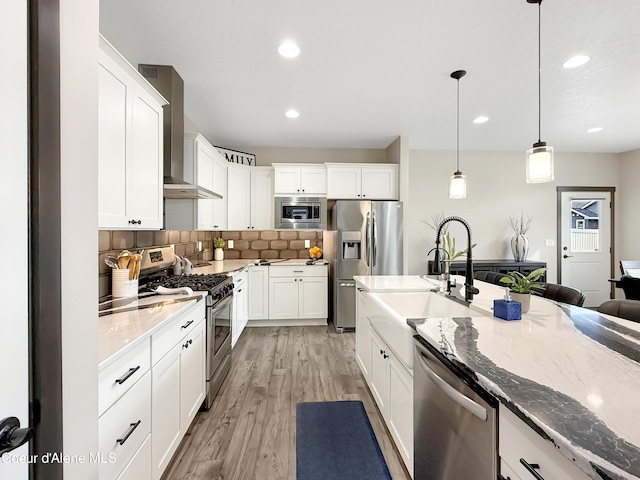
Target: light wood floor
(249, 432)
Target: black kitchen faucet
(469, 289)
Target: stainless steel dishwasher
(454, 426)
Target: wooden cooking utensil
(123, 262)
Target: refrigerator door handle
(374, 240)
(367, 239)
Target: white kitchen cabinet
(258, 292)
(518, 441)
(299, 294)
(239, 197)
(391, 385)
(130, 168)
(300, 179)
(250, 198)
(140, 465)
(379, 382)
(262, 198)
(363, 333)
(362, 181)
(240, 304)
(206, 167)
(125, 425)
(178, 383)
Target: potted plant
(522, 286)
(218, 253)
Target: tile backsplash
(268, 244)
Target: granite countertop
(570, 373)
(129, 321)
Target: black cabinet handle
(132, 427)
(187, 324)
(385, 355)
(126, 376)
(381, 351)
(502, 477)
(531, 468)
(187, 343)
(135, 222)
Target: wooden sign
(234, 156)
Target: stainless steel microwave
(301, 213)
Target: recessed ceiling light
(576, 61)
(289, 49)
(481, 119)
(291, 113)
(594, 130)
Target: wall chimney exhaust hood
(166, 80)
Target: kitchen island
(571, 375)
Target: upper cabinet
(377, 181)
(250, 198)
(206, 167)
(300, 179)
(129, 146)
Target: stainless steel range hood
(171, 86)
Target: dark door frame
(559, 191)
(45, 314)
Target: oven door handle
(461, 399)
(221, 304)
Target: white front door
(585, 243)
(14, 285)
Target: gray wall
(496, 189)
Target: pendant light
(540, 156)
(458, 182)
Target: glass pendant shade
(458, 186)
(540, 163)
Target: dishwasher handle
(461, 399)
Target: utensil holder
(121, 286)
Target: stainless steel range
(219, 303)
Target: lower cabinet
(240, 305)
(299, 293)
(363, 334)
(391, 385)
(518, 443)
(139, 467)
(258, 298)
(123, 428)
(178, 384)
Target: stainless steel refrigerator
(365, 238)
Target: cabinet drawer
(124, 427)
(517, 440)
(116, 379)
(166, 338)
(240, 279)
(139, 467)
(507, 472)
(298, 271)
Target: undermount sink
(389, 313)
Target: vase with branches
(519, 242)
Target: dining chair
(627, 309)
(490, 277)
(560, 293)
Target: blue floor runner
(334, 440)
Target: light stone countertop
(231, 266)
(571, 374)
(127, 326)
(394, 283)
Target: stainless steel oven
(218, 345)
(301, 213)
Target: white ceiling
(371, 70)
